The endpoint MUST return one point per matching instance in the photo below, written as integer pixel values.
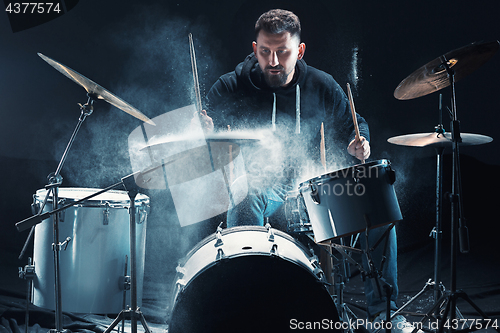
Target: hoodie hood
(251, 75)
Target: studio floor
(477, 277)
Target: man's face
(277, 55)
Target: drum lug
(35, 207)
(106, 214)
(181, 270)
(143, 213)
(391, 174)
(355, 175)
(270, 234)
(181, 283)
(220, 254)
(62, 213)
(274, 250)
(315, 194)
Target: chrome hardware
(218, 236)
(106, 214)
(270, 233)
(220, 254)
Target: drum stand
(382, 287)
(134, 311)
(341, 272)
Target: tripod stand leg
(143, 321)
(115, 322)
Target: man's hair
(277, 21)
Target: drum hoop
(326, 177)
(231, 230)
(140, 200)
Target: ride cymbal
(433, 76)
(93, 88)
(438, 139)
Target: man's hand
(359, 148)
(206, 122)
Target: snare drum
(249, 278)
(348, 201)
(92, 267)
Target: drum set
(260, 278)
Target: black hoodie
(243, 100)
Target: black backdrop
(139, 51)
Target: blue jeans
(258, 204)
(261, 203)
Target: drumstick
(322, 147)
(353, 112)
(195, 73)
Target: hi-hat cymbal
(436, 139)
(93, 88)
(433, 76)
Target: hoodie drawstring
(274, 112)
(297, 111)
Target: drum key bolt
(218, 235)
(60, 246)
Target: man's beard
(275, 80)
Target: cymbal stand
(55, 181)
(435, 284)
(134, 311)
(458, 226)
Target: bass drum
(92, 267)
(249, 279)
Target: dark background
(140, 52)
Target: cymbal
(235, 137)
(436, 139)
(433, 76)
(93, 88)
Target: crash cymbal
(93, 88)
(436, 139)
(433, 76)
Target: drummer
(274, 88)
